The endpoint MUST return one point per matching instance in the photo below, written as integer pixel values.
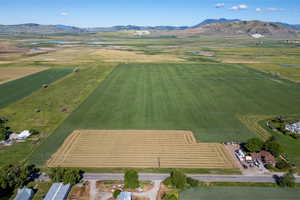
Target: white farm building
(295, 128)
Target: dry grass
(13, 73)
(240, 61)
(130, 56)
(139, 149)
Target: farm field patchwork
(12, 73)
(55, 103)
(238, 193)
(13, 91)
(207, 99)
(139, 149)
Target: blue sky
(92, 13)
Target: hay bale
(76, 69)
(45, 85)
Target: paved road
(200, 177)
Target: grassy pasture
(207, 99)
(13, 91)
(238, 193)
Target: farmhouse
(24, 194)
(295, 128)
(58, 191)
(22, 136)
(265, 156)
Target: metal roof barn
(24, 194)
(124, 196)
(58, 191)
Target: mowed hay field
(139, 149)
(12, 73)
(13, 91)
(207, 99)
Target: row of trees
(256, 145)
(65, 175)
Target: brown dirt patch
(13, 73)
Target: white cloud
(273, 9)
(220, 5)
(258, 10)
(64, 14)
(239, 7)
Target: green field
(204, 98)
(13, 91)
(240, 193)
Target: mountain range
(50, 29)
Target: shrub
(192, 182)
(168, 181)
(269, 166)
(171, 195)
(116, 193)
(254, 145)
(131, 179)
(34, 131)
(281, 164)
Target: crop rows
(139, 149)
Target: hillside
(245, 27)
(212, 21)
(39, 29)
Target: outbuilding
(125, 196)
(24, 194)
(58, 191)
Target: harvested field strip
(13, 73)
(141, 149)
(13, 91)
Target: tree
(254, 145)
(287, 180)
(131, 179)
(178, 179)
(13, 176)
(273, 147)
(72, 176)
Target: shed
(124, 196)
(24, 194)
(58, 191)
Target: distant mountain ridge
(39, 29)
(266, 29)
(212, 21)
(49, 29)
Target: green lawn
(13, 91)
(240, 193)
(203, 98)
